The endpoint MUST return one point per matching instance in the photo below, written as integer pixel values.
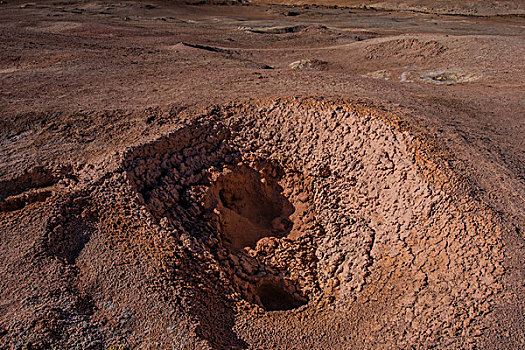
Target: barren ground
(272, 175)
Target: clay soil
(263, 175)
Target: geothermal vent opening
(274, 297)
(249, 206)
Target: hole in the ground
(249, 205)
(274, 297)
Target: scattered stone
(379, 74)
(444, 77)
(309, 64)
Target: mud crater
(295, 205)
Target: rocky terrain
(262, 175)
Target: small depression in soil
(292, 204)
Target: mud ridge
(34, 185)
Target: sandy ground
(388, 138)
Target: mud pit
(301, 206)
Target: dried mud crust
(302, 204)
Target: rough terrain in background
(261, 176)
(475, 8)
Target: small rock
(309, 64)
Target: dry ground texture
(262, 175)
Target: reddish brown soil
(262, 176)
